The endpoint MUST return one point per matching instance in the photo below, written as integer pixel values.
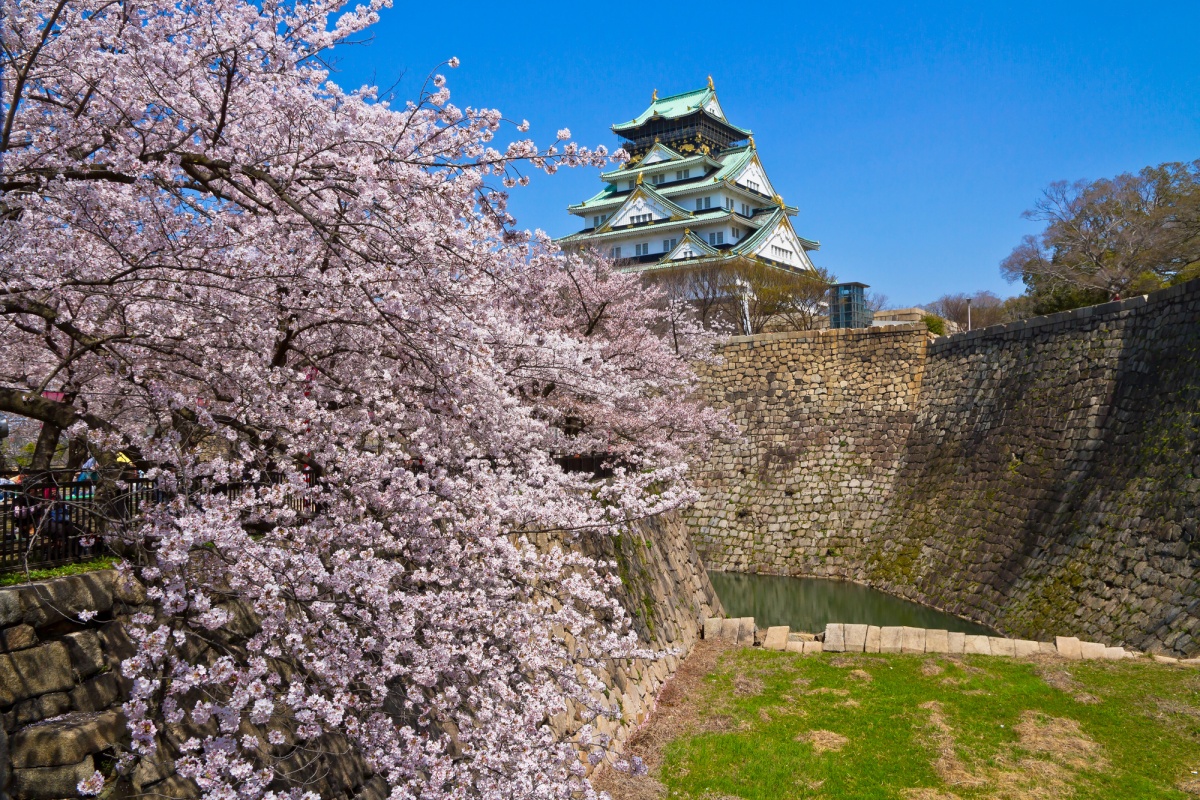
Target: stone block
(835, 637)
(777, 638)
(36, 709)
(1114, 653)
(38, 670)
(1068, 647)
(66, 740)
(96, 694)
(937, 641)
(118, 646)
(855, 637)
(746, 630)
(1165, 659)
(1187, 662)
(1047, 649)
(174, 788)
(10, 606)
(1025, 648)
(729, 629)
(812, 648)
(795, 646)
(1091, 650)
(48, 783)
(872, 643)
(956, 641)
(18, 637)
(128, 589)
(889, 639)
(977, 645)
(86, 656)
(1002, 646)
(712, 627)
(912, 640)
(60, 599)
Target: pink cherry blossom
(309, 316)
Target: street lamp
(968, 313)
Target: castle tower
(693, 192)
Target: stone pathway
(851, 638)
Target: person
(88, 471)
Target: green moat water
(808, 604)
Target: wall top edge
(828, 333)
(1109, 309)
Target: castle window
(596, 220)
(638, 219)
(669, 245)
(729, 203)
(754, 186)
(659, 179)
(682, 174)
(737, 233)
(745, 210)
(703, 203)
(781, 253)
(717, 238)
(615, 252)
(641, 249)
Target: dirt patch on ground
(927, 794)
(1087, 699)
(844, 661)
(1058, 678)
(1039, 766)
(1191, 786)
(674, 716)
(931, 668)
(861, 675)
(747, 685)
(823, 741)
(828, 690)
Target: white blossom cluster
(242, 275)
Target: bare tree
(986, 308)
(1111, 237)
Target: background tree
(987, 308)
(239, 272)
(1111, 238)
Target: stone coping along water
(809, 604)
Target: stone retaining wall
(1041, 477)
(61, 690)
(824, 417)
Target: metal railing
(48, 519)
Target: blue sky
(911, 137)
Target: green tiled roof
(677, 105)
(626, 173)
(603, 196)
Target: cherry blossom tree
(306, 313)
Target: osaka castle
(693, 193)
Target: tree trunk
(47, 444)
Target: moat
(807, 604)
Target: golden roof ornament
(779, 201)
(710, 83)
(639, 180)
(654, 97)
(752, 147)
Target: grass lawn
(20, 578)
(747, 723)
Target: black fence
(50, 519)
